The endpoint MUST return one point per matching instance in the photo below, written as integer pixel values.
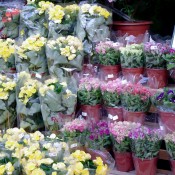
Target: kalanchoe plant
(120, 135)
(170, 59)
(170, 144)
(108, 53)
(145, 142)
(89, 92)
(154, 53)
(132, 56)
(136, 98)
(111, 93)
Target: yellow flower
(38, 171)
(78, 168)
(54, 173)
(59, 166)
(71, 57)
(30, 166)
(44, 6)
(9, 168)
(101, 170)
(85, 172)
(2, 169)
(85, 8)
(98, 161)
(65, 51)
(46, 161)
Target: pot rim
(160, 111)
(133, 23)
(117, 107)
(127, 68)
(92, 105)
(145, 159)
(101, 65)
(133, 111)
(159, 69)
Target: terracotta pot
(88, 69)
(138, 117)
(12, 70)
(157, 78)
(91, 112)
(132, 28)
(115, 114)
(124, 161)
(168, 120)
(110, 72)
(133, 74)
(145, 166)
(172, 166)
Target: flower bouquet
(146, 145)
(108, 56)
(30, 56)
(33, 18)
(132, 62)
(156, 64)
(92, 25)
(111, 94)
(9, 22)
(7, 102)
(90, 98)
(58, 101)
(136, 100)
(7, 57)
(122, 144)
(28, 104)
(62, 20)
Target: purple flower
(172, 100)
(170, 92)
(160, 97)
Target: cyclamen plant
(89, 92)
(108, 53)
(170, 144)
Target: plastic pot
(145, 166)
(138, 117)
(157, 78)
(124, 161)
(115, 114)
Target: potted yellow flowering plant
(7, 102)
(28, 104)
(7, 57)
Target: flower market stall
(76, 101)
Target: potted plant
(111, 94)
(135, 101)
(132, 62)
(146, 144)
(122, 144)
(108, 55)
(165, 102)
(170, 147)
(90, 98)
(155, 64)
(170, 59)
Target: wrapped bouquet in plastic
(30, 56)
(93, 25)
(64, 52)
(7, 55)
(7, 102)
(28, 104)
(62, 20)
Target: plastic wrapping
(28, 104)
(7, 102)
(92, 25)
(30, 56)
(172, 74)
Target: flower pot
(110, 72)
(115, 114)
(91, 112)
(132, 28)
(133, 74)
(145, 166)
(172, 166)
(88, 69)
(138, 117)
(124, 161)
(168, 120)
(157, 78)
(172, 73)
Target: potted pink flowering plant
(122, 144)
(90, 98)
(135, 101)
(108, 55)
(111, 94)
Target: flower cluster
(7, 85)
(133, 49)
(170, 58)
(44, 6)
(95, 10)
(170, 144)
(7, 48)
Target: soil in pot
(91, 112)
(145, 166)
(114, 114)
(124, 161)
(157, 78)
(138, 117)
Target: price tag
(74, 145)
(38, 76)
(84, 114)
(153, 48)
(110, 76)
(115, 117)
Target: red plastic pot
(168, 120)
(173, 166)
(133, 74)
(145, 166)
(138, 117)
(88, 69)
(110, 72)
(124, 161)
(91, 112)
(157, 78)
(115, 114)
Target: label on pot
(84, 114)
(38, 76)
(153, 48)
(110, 76)
(115, 117)
(74, 145)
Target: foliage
(170, 144)
(170, 59)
